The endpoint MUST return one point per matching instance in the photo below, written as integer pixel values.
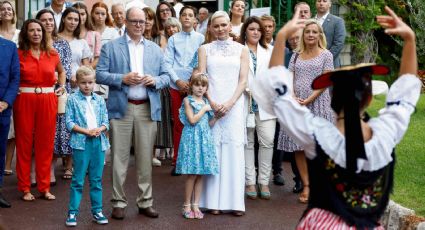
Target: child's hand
(92, 133)
(394, 25)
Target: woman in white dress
(227, 63)
(237, 16)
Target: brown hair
(150, 14)
(198, 79)
(231, 6)
(76, 32)
(24, 42)
(40, 13)
(88, 24)
(249, 21)
(266, 17)
(108, 20)
(195, 11)
(158, 17)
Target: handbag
(62, 102)
(250, 119)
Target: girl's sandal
(197, 213)
(187, 214)
(303, 198)
(28, 197)
(48, 196)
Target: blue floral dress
(62, 135)
(196, 150)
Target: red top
(38, 72)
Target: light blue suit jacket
(114, 63)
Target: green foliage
(417, 19)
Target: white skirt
(225, 191)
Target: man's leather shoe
(3, 202)
(118, 213)
(298, 187)
(278, 180)
(149, 212)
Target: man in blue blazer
(9, 84)
(334, 29)
(133, 69)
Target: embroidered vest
(360, 198)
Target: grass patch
(409, 185)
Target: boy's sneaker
(99, 218)
(71, 221)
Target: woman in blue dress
(62, 136)
(196, 150)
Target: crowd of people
(218, 92)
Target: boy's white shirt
(90, 116)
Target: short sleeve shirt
(38, 72)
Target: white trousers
(265, 132)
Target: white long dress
(225, 191)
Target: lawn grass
(409, 184)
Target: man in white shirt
(118, 14)
(58, 7)
(203, 16)
(132, 67)
(333, 27)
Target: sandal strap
(186, 205)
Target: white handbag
(62, 102)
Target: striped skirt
(322, 219)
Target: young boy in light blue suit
(87, 120)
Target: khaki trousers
(137, 122)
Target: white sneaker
(156, 162)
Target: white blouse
(296, 120)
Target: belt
(36, 90)
(137, 102)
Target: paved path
(281, 212)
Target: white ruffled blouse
(273, 91)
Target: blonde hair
(322, 37)
(85, 71)
(219, 14)
(198, 79)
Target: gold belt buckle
(38, 90)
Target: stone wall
(398, 217)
